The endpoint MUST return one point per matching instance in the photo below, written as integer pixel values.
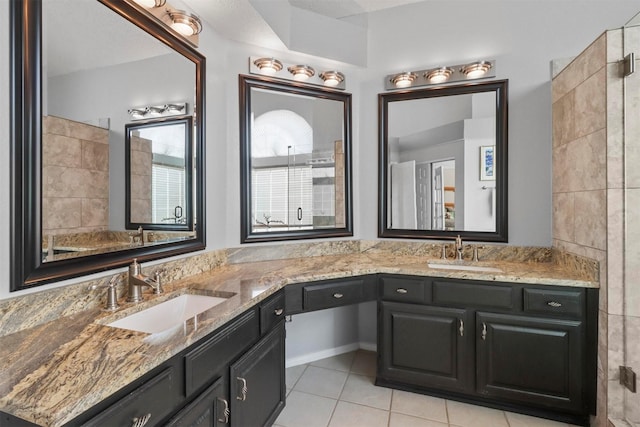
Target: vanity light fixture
(154, 111)
(268, 66)
(332, 78)
(476, 69)
(439, 75)
(148, 4)
(185, 23)
(404, 79)
(301, 72)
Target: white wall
(523, 36)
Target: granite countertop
(53, 372)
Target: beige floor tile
(361, 389)
(466, 415)
(306, 410)
(520, 420)
(402, 420)
(352, 415)
(341, 362)
(293, 374)
(322, 382)
(432, 408)
(364, 363)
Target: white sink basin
(464, 267)
(168, 314)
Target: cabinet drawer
(475, 294)
(552, 301)
(404, 289)
(154, 399)
(209, 360)
(317, 297)
(271, 312)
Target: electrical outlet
(628, 378)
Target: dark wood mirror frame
(246, 83)
(500, 88)
(27, 268)
(188, 166)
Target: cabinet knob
(484, 331)
(337, 295)
(278, 311)
(140, 421)
(461, 329)
(554, 304)
(243, 390)
(225, 413)
(401, 291)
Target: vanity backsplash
(30, 310)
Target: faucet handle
(112, 296)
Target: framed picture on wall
(487, 163)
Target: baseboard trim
(329, 352)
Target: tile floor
(340, 392)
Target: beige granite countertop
(55, 371)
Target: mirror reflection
(444, 151)
(159, 174)
(89, 82)
(297, 165)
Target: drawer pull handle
(554, 304)
(278, 311)
(461, 329)
(337, 295)
(401, 291)
(226, 412)
(243, 390)
(139, 422)
(484, 331)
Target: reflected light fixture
(301, 72)
(268, 65)
(148, 4)
(476, 69)
(154, 111)
(438, 75)
(404, 79)
(332, 78)
(185, 23)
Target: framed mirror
(71, 92)
(443, 162)
(295, 161)
(158, 167)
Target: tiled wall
(75, 177)
(141, 170)
(588, 192)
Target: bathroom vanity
(521, 339)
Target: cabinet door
(209, 409)
(532, 360)
(426, 346)
(257, 382)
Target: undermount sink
(464, 267)
(168, 314)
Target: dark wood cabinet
(531, 360)
(515, 346)
(426, 345)
(257, 381)
(209, 409)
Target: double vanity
(518, 335)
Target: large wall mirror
(71, 92)
(295, 161)
(443, 162)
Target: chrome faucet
(137, 280)
(459, 248)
